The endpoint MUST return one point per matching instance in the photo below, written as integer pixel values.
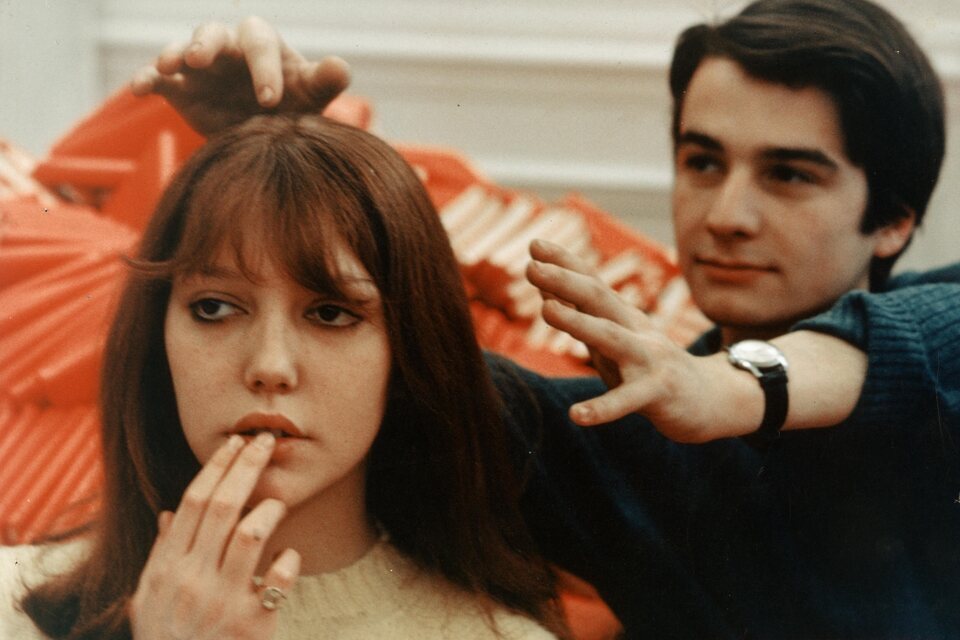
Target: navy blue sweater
(851, 531)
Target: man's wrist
(768, 365)
(738, 401)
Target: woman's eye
(331, 315)
(212, 310)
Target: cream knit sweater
(382, 595)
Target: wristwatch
(769, 366)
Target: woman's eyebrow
(213, 272)
(359, 284)
(218, 271)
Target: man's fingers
(261, 48)
(546, 251)
(608, 337)
(576, 288)
(170, 60)
(584, 291)
(144, 80)
(612, 405)
(209, 41)
(325, 80)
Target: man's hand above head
(225, 75)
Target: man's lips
(724, 271)
(732, 265)
(280, 426)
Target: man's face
(766, 205)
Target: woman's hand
(688, 399)
(225, 75)
(198, 580)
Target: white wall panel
(48, 68)
(547, 95)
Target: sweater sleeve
(583, 509)
(912, 340)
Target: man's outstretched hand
(687, 398)
(225, 75)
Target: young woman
(292, 386)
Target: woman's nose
(272, 364)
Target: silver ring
(272, 597)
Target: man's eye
(788, 174)
(212, 310)
(701, 163)
(332, 315)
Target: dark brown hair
(889, 99)
(439, 477)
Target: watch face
(757, 352)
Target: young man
(808, 137)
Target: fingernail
(264, 441)
(266, 95)
(288, 564)
(234, 442)
(195, 47)
(582, 414)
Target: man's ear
(891, 239)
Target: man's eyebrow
(788, 154)
(699, 139)
(779, 154)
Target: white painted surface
(545, 95)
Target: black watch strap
(769, 366)
(774, 384)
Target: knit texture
(383, 595)
(842, 532)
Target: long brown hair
(439, 478)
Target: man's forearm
(911, 338)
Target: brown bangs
(282, 201)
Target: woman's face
(248, 355)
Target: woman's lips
(289, 438)
(280, 426)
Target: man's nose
(735, 210)
(272, 364)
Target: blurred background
(549, 96)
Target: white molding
(549, 96)
(610, 34)
(577, 175)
